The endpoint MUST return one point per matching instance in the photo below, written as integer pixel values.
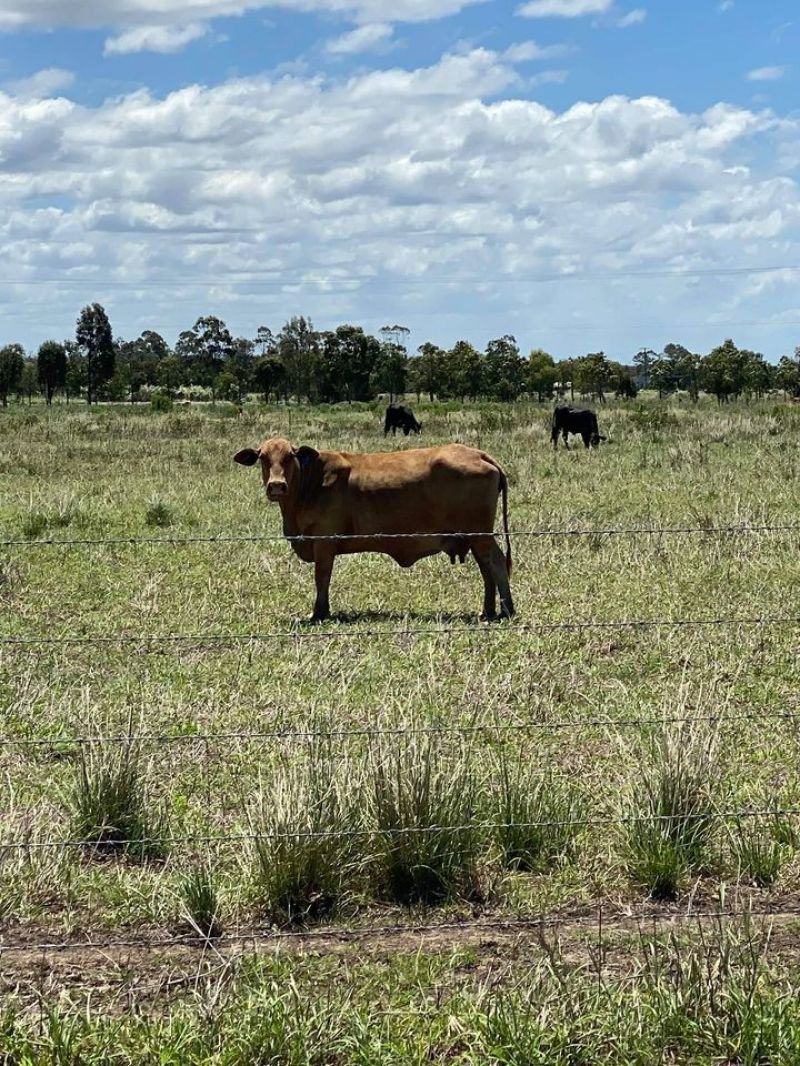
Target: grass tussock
(159, 515)
(761, 847)
(111, 805)
(671, 815)
(40, 520)
(200, 908)
(307, 822)
(537, 815)
(424, 814)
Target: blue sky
(585, 174)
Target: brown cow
(441, 491)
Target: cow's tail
(504, 493)
(504, 490)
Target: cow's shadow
(415, 617)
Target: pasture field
(182, 754)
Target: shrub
(652, 417)
(159, 401)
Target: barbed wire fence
(741, 529)
(254, 935)
(354, 933)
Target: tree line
(346, 364)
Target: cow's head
(281, 465)
(595, 440)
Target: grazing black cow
(568, 420)
(399, 417)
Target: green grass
(121, 472)
(111, 807)
(761, 848)
(538, 815)
(39, 520)
(305, 858)
(424, 812)
(691, 1000)
(159, 514)
(199, 902)
(671, 821)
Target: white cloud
(122, 14)
(42, 83)
(725, 5)
(633, 18)
(766, 74)
(432, 196)
(165, 39)
(549, 77)
(362, 39)
(563, 8)
(528, 51)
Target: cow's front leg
(323, 568)
(566, 440)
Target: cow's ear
(247, 457)
(305, 455)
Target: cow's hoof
(488, 617)
(315, 619)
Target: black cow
(399, 417)
(568, 420)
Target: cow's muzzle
(276, 489)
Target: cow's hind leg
(489, 588)
(323, 569)
(488, 553)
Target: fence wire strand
(266, 735)
(355, 933)
(117, 844)
(256, 538)
(311, 631)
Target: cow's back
(451, 488)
